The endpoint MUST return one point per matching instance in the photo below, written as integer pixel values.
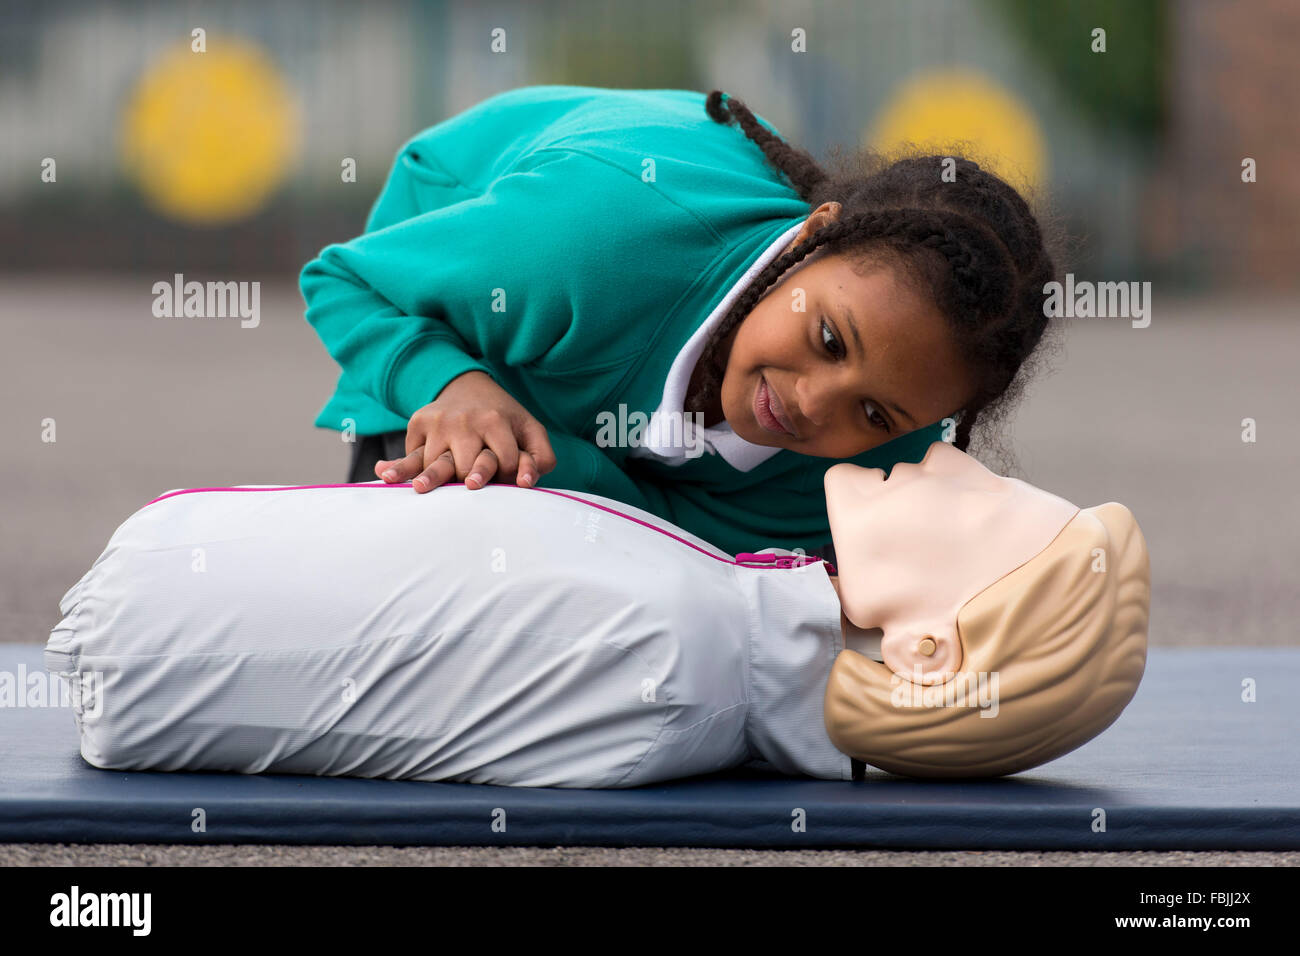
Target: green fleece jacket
(529, 237)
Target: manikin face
(912, 550)
(865, 361)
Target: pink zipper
(782, 560)
(747, 559)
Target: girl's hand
(473, 431)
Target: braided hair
(973, 245)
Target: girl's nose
(817, 395)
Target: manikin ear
(931, 656)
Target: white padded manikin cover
(523, 637)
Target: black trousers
(368, 450)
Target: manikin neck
(856, 638)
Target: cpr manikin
(979, 583)
(537, 637)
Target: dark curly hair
(971, 245)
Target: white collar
(658, 438)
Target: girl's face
(864, 361)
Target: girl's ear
(823, 215)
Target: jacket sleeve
(484, 279)
(582, 466)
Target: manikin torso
(504, 635)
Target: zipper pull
(783, 560)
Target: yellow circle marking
(208, 137)
(963, 113)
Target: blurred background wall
(126, 157)
(1138, 147)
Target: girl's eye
(827, 338)
(873, 413)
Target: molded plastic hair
(1060, 643)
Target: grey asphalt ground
(1149, 417)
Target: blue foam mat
(1189, 765)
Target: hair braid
(798, 165)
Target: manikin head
(1014, 623)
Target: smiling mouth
(768, 410)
